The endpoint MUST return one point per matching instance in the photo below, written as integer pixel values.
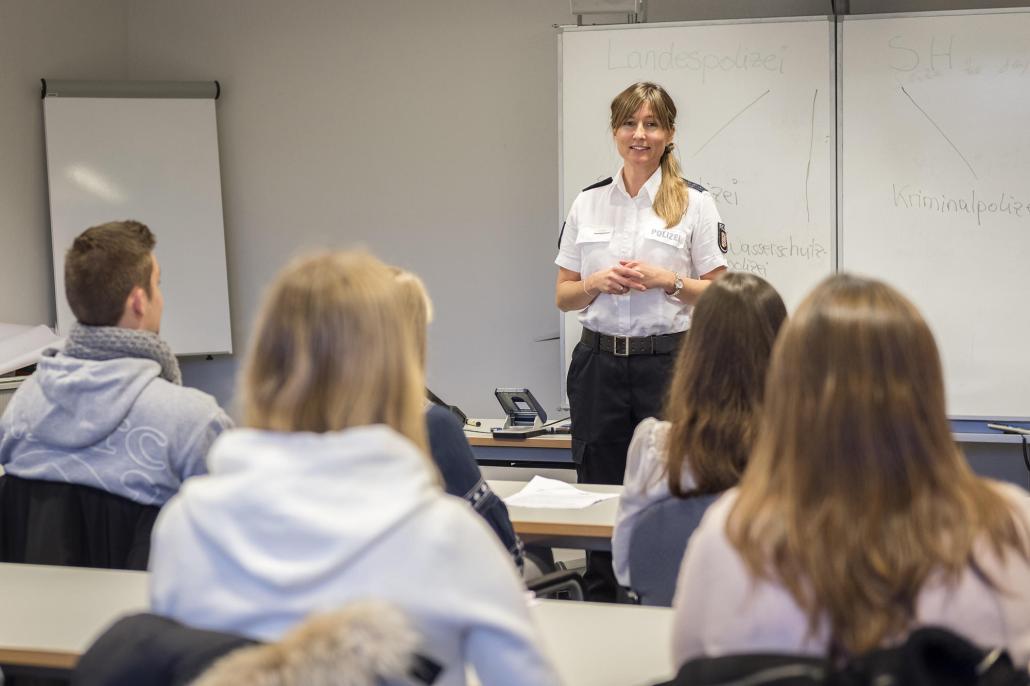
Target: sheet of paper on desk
(22, 345)
(544, 492)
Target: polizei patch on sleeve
(724, 241)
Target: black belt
(624, 346)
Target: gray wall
(425, 131)
(42, 38)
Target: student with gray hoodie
(109, 410)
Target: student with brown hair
(328, 495)
(109, 410)
(712, 406)
(858, 518)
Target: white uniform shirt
(605, 225)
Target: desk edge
(28, 657)
(554, 530)
(536, 442)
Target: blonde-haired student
(858, 518)
(328, 495)
(448, 446)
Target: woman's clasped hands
(629, 275)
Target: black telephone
(524, 414)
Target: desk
(549, 450)
(976, 431)
(991, 453)
(52, 614)
(8, 385)
(589, 528)
(601, 644)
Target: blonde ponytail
(670, 203)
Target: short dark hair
(102, 267)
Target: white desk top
(595, 521)
(600, 644)
(50, 615)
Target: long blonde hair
(855, 492)
(716, 389)
(333, 349)
(417, 307)
(670, 202)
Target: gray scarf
(112, 342)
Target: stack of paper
(544, 492)
(22, 345)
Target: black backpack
(930, 656)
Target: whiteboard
(935, 163)
(154, 160)
(755, 126)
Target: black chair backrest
(930, 656)
(148, 649)
(753, 669)
(656, 548)
(56, 523)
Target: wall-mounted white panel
(755, 127)
(154, 160)
(936, 187)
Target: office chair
(57, 523)
(561, 584)
(149, 649)
(657, 545)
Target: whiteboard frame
(838, 91)
(935, 13)
(832, 22)
(563, 397)
(838, 62)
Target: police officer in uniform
(636, 251)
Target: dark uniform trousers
(608, 397)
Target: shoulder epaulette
(599, 184)
(696, 186)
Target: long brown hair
(670, 202)
(333, 349)
(855, 492)
(716, 389)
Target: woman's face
(641, 140)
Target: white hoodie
(292, 523)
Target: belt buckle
(625, 346)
